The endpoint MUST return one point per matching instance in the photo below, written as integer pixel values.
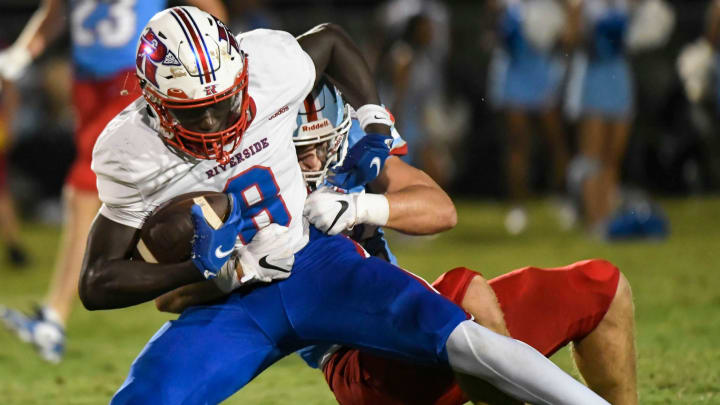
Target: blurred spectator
(713, 40)
(691, 149)
(43, 125)
(413, 73)
(9, 226)
(525, 78)
(601, 92)
(247, 15)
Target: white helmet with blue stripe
(188, 60)
(323, 120)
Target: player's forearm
(420, 210)
(417, 204)
(44, 27)
(123, 283)
(179, 299)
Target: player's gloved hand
(211, 248)
(363, 162)
(227, 278)
(13, 62)
(330, 211)
(333, 212)
(268, 256)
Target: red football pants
(545, 308)
(96, 103)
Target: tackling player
(103, 36)
(588, 303)
(218, 114)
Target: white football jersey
(136, 171)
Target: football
(166, 235)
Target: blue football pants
(334, 295)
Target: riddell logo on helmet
(318, 125)
(316, 128)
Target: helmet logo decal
(197, 43)
(152, 51)
(224, 34)
(210, 90)
(171, 60)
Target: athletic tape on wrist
(373, 209)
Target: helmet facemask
(330, 147)
(217, 145)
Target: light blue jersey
(601, 83)
(522, 75)
(607, 24)
(371, 238)
(105, 33)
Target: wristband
(373, 114)
(372, 209)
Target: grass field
(677, 295)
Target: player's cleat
(47, 336)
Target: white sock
(52, 316)
(514, 367)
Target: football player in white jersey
(218, 114)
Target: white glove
(333, 212)
(13, 62)
(227, 278)
(268, 256)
